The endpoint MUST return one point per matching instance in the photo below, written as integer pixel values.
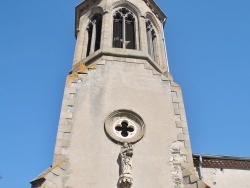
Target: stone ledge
(103, 56)
(117, 53)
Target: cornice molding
(156, 10)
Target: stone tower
(122, 121)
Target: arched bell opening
(124, 29)
(94, 30)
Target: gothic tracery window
(94, 34)
(124, 29)
(152, 39)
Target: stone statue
(126, 179)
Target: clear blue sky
(208, 47)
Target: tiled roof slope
(227, 162)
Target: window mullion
(124, 32)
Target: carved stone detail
(175, 161)
(126, 178)
(124, 126)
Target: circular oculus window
(124, 126)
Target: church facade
(122, 121)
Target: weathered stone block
(149, 67)
(70, 90)
(175, 99)
(182, 137)
(56, 171)
(59, 134)
(155, 72)
(187, 142)
(181, 124)
(65, 143)
(183, 117)
(185, 172)
(102, 62)
(62, 121)
(201, 184)
(177, 111)
(185, 130)
(193, 178)
(66, 115)
(68, 102)
(183, 151)
(58, 150)
(65, 128)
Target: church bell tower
(122, 122)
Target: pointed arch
(94, 30)
(152, 37)
(97, 10)
(128, 5)
(131, 38)
(124, 32)
(152, 18)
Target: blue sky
(208, 46)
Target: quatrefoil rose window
(124, 126)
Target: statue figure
(126, 179)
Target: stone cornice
(156, 10)
(123, 54)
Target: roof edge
(224, 157)
(159, 12)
